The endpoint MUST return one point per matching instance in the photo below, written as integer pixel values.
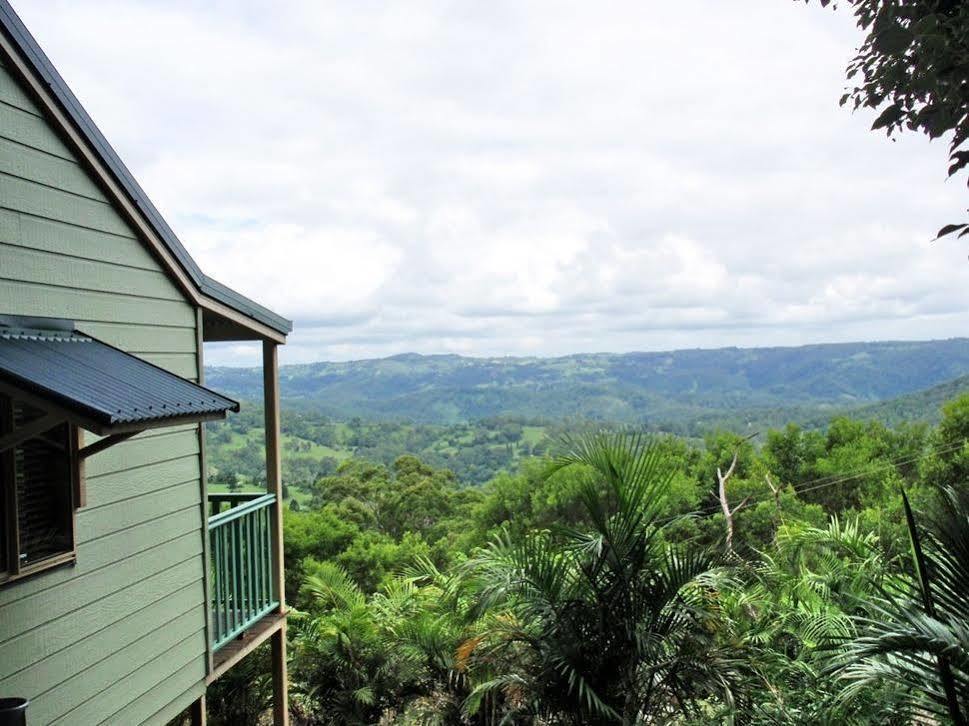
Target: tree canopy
(913, 69)
(592, 585)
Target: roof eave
(38, 62)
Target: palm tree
(385, 657)
(789, 609)
(339, 660)
(917, 635)
(606, 626)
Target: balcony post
(274, 484)
(197, 712)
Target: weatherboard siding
(119, 637)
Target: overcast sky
(522, 178)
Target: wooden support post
(80, 479)
(196, 713)
(274, 484)
(280, 678)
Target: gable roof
(38, 62)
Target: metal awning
(100, 388)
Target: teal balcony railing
(241, 551)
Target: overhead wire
(835, 479)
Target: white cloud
(539, 178)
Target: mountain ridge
(664, 389)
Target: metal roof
(100, 383)
(38, 60)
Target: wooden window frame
(13, 571)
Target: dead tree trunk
(777, 504)
(725, 505)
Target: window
(39, 479)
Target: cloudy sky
(526, 178)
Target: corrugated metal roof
(100, 382)
(34, 56)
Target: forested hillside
(922, 406)
(683, 391)
(752, 549)
(761, 581)
(314, 444)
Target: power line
(828, 481)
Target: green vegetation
(923, 405)
(314, 446)
(687, 392)
(593, 584)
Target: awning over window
(98, 387)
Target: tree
(390, 657)
(913, 67)
(917, 636)
(312, 535)
(791, 609)
(948, 463)
(728, 513)
(607, 625)
(340, 657)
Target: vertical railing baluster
(240, 603)
(226, 573)
(254, 564)
(233, 574)
(266, 597)
(246, 565)
(267, 559)
(215, 605)
(224, 567)
(242, 586)
(257, 555)
(266, 554)
(240, 572)
(241, 565)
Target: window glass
(39, 473)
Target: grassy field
(314, 446)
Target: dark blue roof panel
(102, 383)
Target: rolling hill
(675, 391)
(923, 405)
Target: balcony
(244, 574)
(242, 589)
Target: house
(125, 588)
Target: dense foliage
(592, 586)
(314, 444)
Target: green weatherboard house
(125, 588)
